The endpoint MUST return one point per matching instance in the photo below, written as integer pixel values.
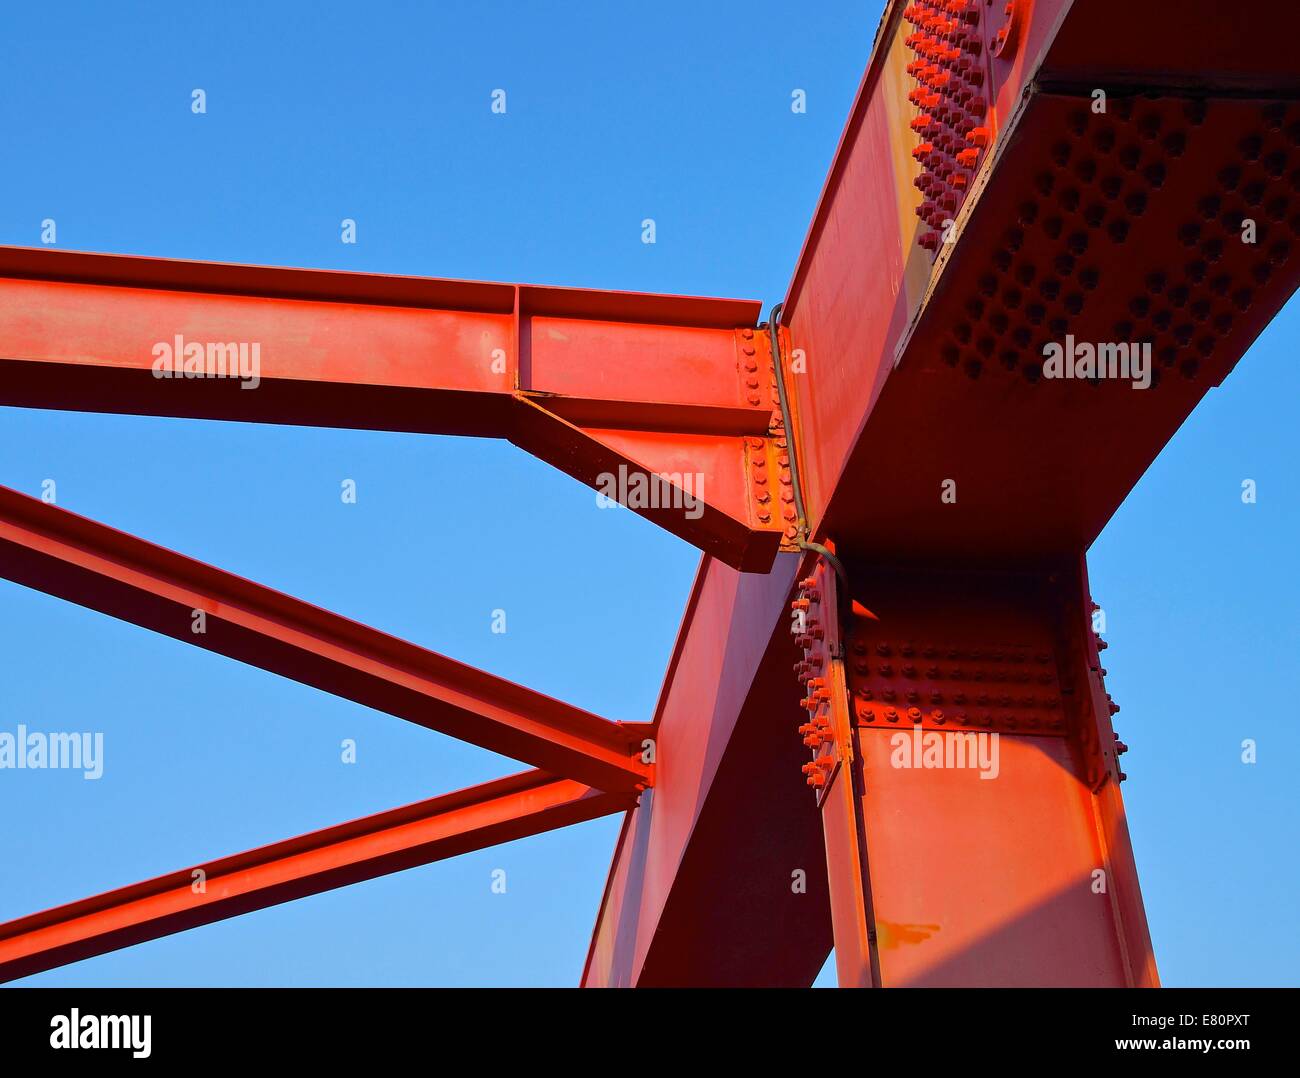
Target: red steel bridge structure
(1010, 173)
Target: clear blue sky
(380, 112)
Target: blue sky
(380, 113)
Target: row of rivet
(778, 504)
(950, 123)
(812, 672)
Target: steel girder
(978, 207)
(499, 811)
(677, 390)
(673, 390)
(55, 551)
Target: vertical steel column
(835, 774)
(967, 775)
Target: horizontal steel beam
(495, 812)
(55, 551)
(655, 385)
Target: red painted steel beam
(925, 364)
(968, 775)
(592, 382)
(63, 554)
(500, 811)
(886, 411)
(920, 359)
(719, 877)
(1068, 221)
